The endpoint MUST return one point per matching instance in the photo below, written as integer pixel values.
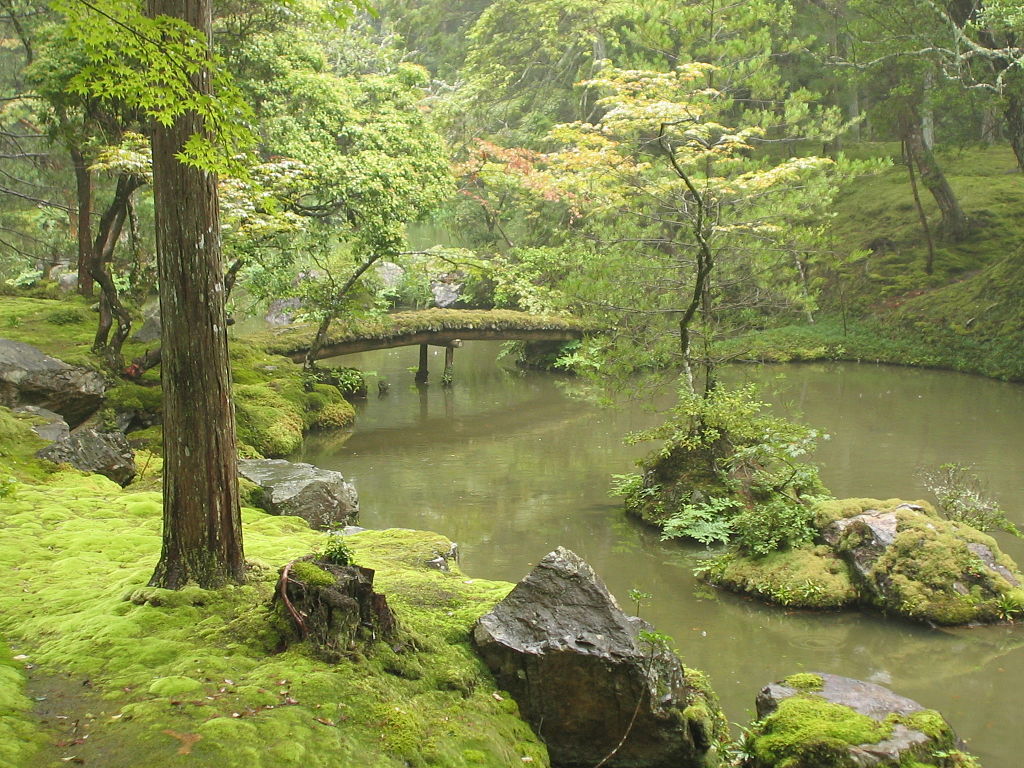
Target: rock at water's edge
(321, 497)
(906, 730)
(578, 666)
(28, 377)
(911, 562)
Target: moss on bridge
(426, 326)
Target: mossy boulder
(29, 377)
(813, 720)
(899, 556)
(909, 561)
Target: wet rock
(334, 606)
(28, 377)
(390, 274)
(588, 678)
(909, 561)
(813, 720)
(321, 497)
(105, 453)
(48, 425)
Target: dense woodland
(685, 172)
(692, 182)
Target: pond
(510, 466)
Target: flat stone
(53, 429)
(105, 453)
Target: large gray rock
(907, 730)
(28, 377)
(584, 677)
(149, 331)
(321, 497)
(908, 561)
(105, 453)
(46, 424)
(283, 311)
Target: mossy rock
(908, 561)
(804, 577)
(813, 720)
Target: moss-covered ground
(274, 402)
(206, 678)
(878, 303)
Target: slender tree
(202, 539)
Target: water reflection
(510, 467)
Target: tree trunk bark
(1013, 114)
(111, 225)
(83, 187)
(954, 223)
(202, 532)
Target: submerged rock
(321, 497)
(592, 681)
(28, 377)
(105, 453)
(812, 720)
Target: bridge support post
(421, 372)
(449, 364)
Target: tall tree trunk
(929, 263)
(954, 223)
(202, 528)
(83, 187)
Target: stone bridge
(435, 327)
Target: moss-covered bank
(208, 674)
(920, 567)
(275, 403)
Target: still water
(510, 466)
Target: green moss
(809, 732)
(266, 420)
(19, 736)
(82, 550)
(805, 682)
(703, 710)
(311, 575)
(838, 509)
(135, 397)
(18, 445)
(804, 577)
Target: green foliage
(335, 551)
(963, 497)
(707, 522)
(727, 473)
(638, 596)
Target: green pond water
(510, 466)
